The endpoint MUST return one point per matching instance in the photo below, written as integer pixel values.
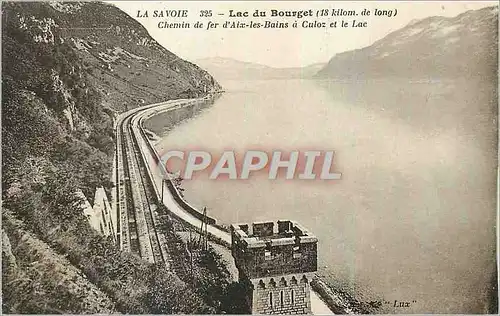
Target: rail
(166, 175)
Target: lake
(413, 217)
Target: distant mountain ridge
(228, 68)
(465, 45)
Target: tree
(235, 298)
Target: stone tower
(278, 262)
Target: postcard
(249, 157)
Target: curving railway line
(139, 191)
(136, 203)
(136, 195)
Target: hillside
(465, 45)
(67, 69)
(127, 66)
(232, 69)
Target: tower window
(281, 298)
(292, 297)
(267, 255)
(296, 252)
(271, 299)
(267, 251)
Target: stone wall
(276, 260)
(288, 295)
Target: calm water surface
(413, 218)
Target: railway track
(122, 226)
(137, 197)
(150, 203)
(135, 202)
(176, 205)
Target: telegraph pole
(206, 230)
(162, 183)
(202, 241)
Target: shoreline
(152, 136)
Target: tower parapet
(279, 259)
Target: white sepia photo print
(249, 157)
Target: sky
(281, 47)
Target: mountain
(128, 67)
(465, 45)
(232, 69)
(67, 69)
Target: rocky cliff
(465, 45)
(127, 66)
